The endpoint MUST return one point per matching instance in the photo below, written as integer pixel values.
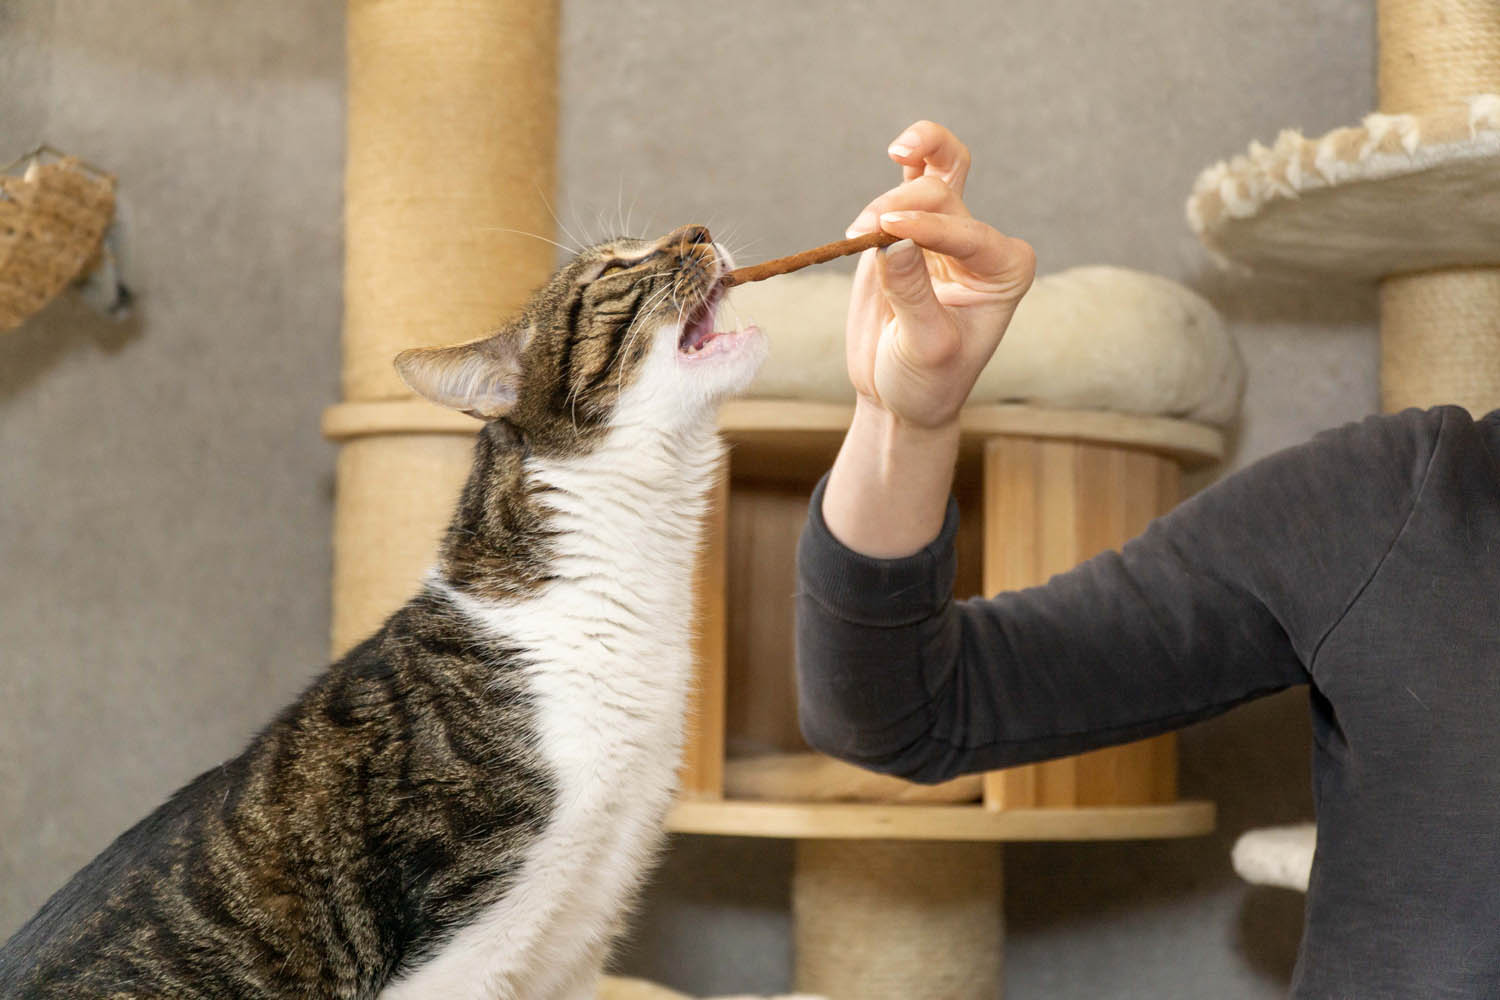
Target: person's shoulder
(1395, 446)
(1414, 443)
(1365, 472)
(1379, 467)
(1393, 430)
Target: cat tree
(1409, 198)
(1127, 379)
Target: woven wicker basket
(53, 218)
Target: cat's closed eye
(612, 265)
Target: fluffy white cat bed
(1089, 338)
(1277, 855)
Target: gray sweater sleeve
(1226, 598)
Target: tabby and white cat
(464, 804)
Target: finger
(868, 309)
(989, 255)
(925, 194)
(923, 332)
(927, 147)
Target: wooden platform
(806, 432)
(825, 820)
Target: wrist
(898, 436)
(887, 494)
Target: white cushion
(1277, 855)
(1092, 338)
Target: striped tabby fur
(463, 805)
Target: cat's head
(625, 325)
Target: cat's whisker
(635, 329)
(734, 245)
(726, 237)
(629, 340)
(619, 200)
(578, 248)
(630, 214)
(591, 236)
(522, 232)
(740, 251)
(641, 312)
(622, 219)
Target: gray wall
(165, 497)
(164, 494)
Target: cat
(463, 805)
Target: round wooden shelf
(856, 821)
(789, 435)
(345, 421)
(786, 435)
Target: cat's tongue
(696, 341)
(698, 331)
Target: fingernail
(905, 143)
(865, 223)
(897, 217)
(903, 255)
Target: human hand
(926, 315)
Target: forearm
(887, 493)
(868, 629)
(897, 677)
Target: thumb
(922, 327)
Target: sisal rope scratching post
(1439, 331)
(1440, 339)
(898, 920)
(452, 135)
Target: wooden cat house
(1109, 385)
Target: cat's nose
(687, 237)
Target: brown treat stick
(817, 255)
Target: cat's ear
(481, 378)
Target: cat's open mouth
(700, 342)
(698, 333)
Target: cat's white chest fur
(610, 646)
